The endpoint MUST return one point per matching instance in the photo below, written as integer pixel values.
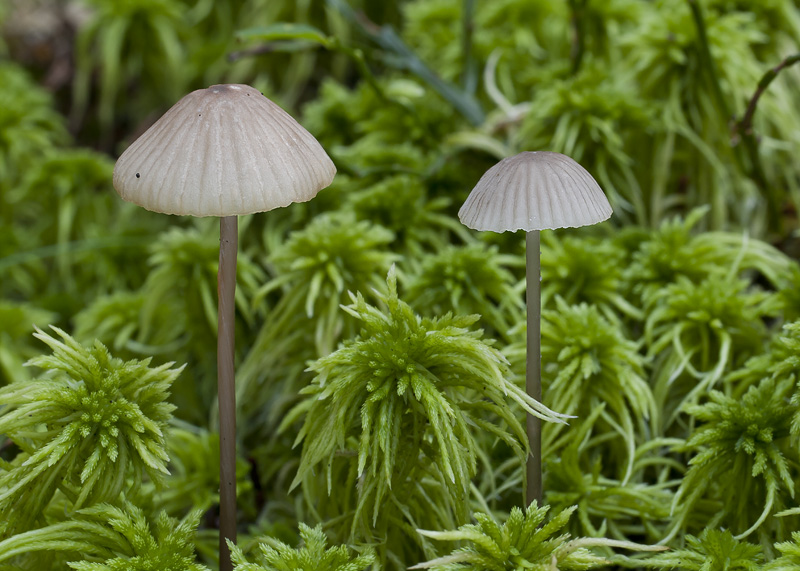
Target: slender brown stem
(745, 126)
(533, 369)
(226, 290)
(743, 131)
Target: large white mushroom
(534, 191)
(223, 151)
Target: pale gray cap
(223, 151)
(536, 190)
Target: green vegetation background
(380, 344)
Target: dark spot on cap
(138, 175)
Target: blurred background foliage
(668, 330)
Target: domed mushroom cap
(535, 191)
(223, 151)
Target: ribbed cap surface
(535, 191)
(223, 151)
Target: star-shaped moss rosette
(711, 550)
(403, 398)
(313, 555)
(590, 363)
(523, 541)
(790, 555)
(698, 331)
(103, 420)
(108, 537)
(741, 448)
(29, 124)
(677, 249)
(570, 270)
(313, 270)
(468, 279)
(402, 203)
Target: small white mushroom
(223, 151)
(534, 191)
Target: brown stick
(743, 131)
(226, 290)
(533, 373)
(745, 126)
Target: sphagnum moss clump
(193, 481)
(790, 555)
(314, 268)
(92, 427)
(401, 204)
(109, 537)
(29, 124)
(523, 541)
(457, 85)
(15, 340)
(184, 275)
(570, 270)
(605, 506)
(312, 555)
(695, 332)
(741, 449)
(590, 362)
(712, 550)
(468, 279)
(408, 391)
(676, 251)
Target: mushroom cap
(536, 190)
(223, 151)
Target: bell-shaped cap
(535, 191)
(223, 151)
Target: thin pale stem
(533, 369)
(226, 289)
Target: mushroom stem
(533, 369)
(226, 290)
